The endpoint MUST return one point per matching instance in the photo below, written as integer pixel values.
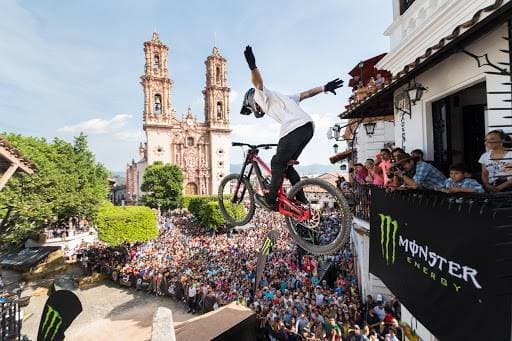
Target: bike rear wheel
(236, 206)
(329, 227)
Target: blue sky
(67, 66)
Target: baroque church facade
(200, 149)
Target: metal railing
(10, 328)
(361, 200)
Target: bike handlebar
(264, 146)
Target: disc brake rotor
(314, 219)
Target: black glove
(249, 57)
(333, 85)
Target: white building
(460, 51)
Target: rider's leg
(291, 173)
(294, 177)
(289, 146)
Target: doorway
(458, 126)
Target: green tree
(68, 183)
(163, 185)
(121, 224)
(208, 211)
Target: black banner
(437, 256)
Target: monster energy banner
(268, 243)
(436, 257)
(61, 308)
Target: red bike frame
(285, 206)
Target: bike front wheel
(328, 227)
(236, 200)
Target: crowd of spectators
(64, 229)
(206, 270)
(394, 168)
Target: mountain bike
(320, 226)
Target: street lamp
(370, 128)
(416, 92)
(334, 132)
(335, 147)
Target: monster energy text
(267, 246)
(51, 324)
(389, 243)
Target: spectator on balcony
(418, 174)
(375, 176)
(379, 82)
(342, 184)
(417, 154)
(361, 173)
(496, 163)
(458, 182)
(385, 164)
(397, 151)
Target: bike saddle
(293, 162)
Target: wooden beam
(7, 175)
(4, 152)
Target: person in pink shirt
(375, 175)
(385, 164)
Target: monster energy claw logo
(52, 321)
(266, 246)
(388, 230)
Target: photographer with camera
(416, 174)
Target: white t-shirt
(283, 109)
(496, 168)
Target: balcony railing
(361, 208)
(362, 199)
(9, 320)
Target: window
(219, 111)
(190, 141)
(404, 5)
(217, 75)
(156, 62)
(158, 103)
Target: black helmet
(249, 105)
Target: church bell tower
(216, 112)
(156, 83)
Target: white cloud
(267, 132)
(317, 151)
(97, 125)
(130, 135)
(233, 96)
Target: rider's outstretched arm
(256, 78)
(329, 87)
(311, 92)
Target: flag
(61, 308)
(266, 248)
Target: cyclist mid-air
(296, 127)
